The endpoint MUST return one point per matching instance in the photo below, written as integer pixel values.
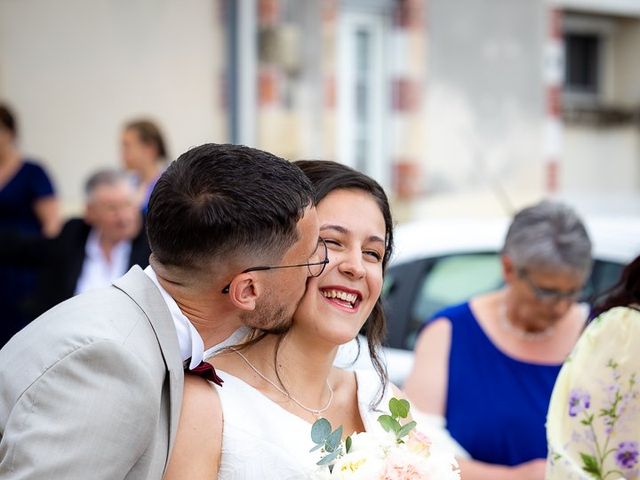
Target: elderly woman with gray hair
(488, 366)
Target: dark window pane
(582, 62)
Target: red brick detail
(554, 100)
(330, 92)
(406, 178)
(408, 14)
(268, 12)
(329, 11)
(555, 23)
(552, 173)
(405, 94)
(267, 87)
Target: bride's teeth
(344, 296)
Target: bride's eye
(374, 255)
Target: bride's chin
(338, 338)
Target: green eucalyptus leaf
(320, 430)
(393, 407)
(317, 447)
(390, 424)
(405, 429)
(399, 408)
(386, 421)
(333, 440)
(329, 458)
(590, 464)
(347, 444)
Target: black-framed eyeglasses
(314, 264)
(548, 294)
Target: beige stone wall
(74, 70)
(627, 67)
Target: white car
(442, 262)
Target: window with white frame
(361, 92)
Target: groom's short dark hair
(220, 200)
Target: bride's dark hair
(326, 177)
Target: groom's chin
(269, 319)
(278, 329)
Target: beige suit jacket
(92, 388)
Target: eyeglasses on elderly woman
(548, 294)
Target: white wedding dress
(261, 440)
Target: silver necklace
(313, 411)
(506, 324)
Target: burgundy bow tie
(206, 371)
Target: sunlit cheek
(376, 280)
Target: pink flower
(404, 465)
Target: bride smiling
(258, 424)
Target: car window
(604, 275)
(414, 291)
(450, 280)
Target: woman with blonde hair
(144, 153)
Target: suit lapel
(143, 291)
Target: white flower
(442, 464)
(321, 473)
(360, 465)
(391, 455)
(373, 442)
(418, 443)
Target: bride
(258, 424)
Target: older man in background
(90, 252)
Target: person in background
(593, 424)
(28, 205)
(144, 153)
(90, 252)
(488, 365)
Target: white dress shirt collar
(189, 340)
(98, 271)
(234, 339)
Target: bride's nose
(352, 264)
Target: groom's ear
(244, 291)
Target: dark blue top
(29, 184)
(496, 405)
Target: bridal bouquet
(396, 452)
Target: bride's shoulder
(198, 443)
(363, 384)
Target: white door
(362, 94)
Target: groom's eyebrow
(346, 231)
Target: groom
(93, 387)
